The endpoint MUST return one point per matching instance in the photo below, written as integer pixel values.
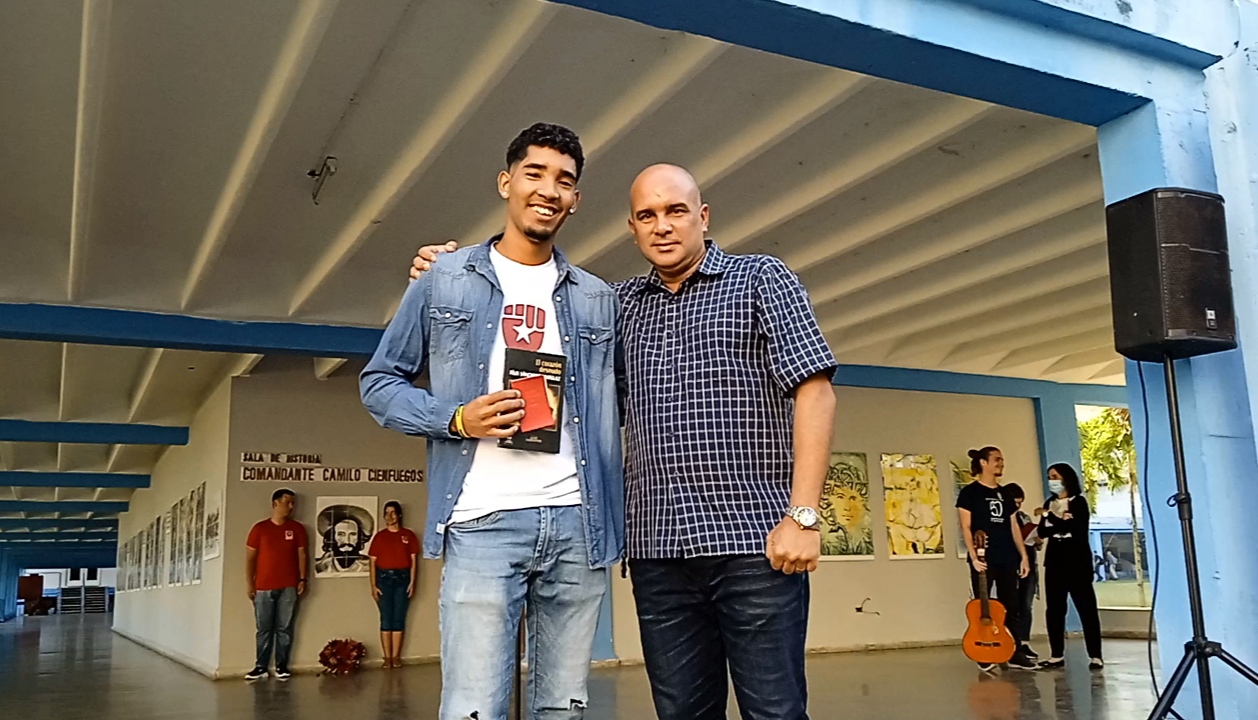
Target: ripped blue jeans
(492, 565)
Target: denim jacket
(446, 325)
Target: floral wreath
(342, 657)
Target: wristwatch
(805, 517)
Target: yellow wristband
(458, 423)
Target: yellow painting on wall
(911, 498)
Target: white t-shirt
(504, 479)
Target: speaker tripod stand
(1200, 649)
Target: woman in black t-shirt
(1068, 568)
(983, 505)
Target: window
(93, 574)
(1112, 484)
(76, 573)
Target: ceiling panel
(163, 151)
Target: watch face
(806, 516)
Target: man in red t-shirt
(275, 573)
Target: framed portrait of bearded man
(345, 526)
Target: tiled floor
(74, 668)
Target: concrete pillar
(8, 586)
(1168, 144)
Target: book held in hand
(539, 378)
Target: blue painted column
(1232, 91)
(1168, 144)
(1059, 432)
(8, 586)
(604, 648)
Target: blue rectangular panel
(16, 524)
(59, 537)
(134, 328)
(91, 433)
(16, 478)
(65, 506)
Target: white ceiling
(155, 156)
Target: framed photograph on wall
(911, 499)
(172, 549)
(846, 525)
(960, 478)
(345, 526)
(213, 524)
(198, 531)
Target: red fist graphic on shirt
(523, 326)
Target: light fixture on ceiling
(325, 171)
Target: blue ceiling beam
(23, 478)
(59, 537)
(136, 328)
(91, 433)
(44, 555)
(8, 524)
(64, 506)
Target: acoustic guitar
(986, 640)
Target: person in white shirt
(535, 524)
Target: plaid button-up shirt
(711, 371)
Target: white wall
(918, 601)
(286, 410)
(181, 622)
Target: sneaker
(256, 674)
(1053, 664)
(1029, 653)
(1021, 661)
(282, 673)
(989, 668)
(1096, 664)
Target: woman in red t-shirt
(394, 554)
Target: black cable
(1144, 487)
(1153, 534)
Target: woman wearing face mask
(1068, 565)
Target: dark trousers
(274, 610)
(393, 602)
(1072, 579)
(1005, 581)
(1027, 587)
(704, 620)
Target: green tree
(1109, 452)
(1108, 448)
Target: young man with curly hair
(513, 526)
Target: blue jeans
(705, 619)
(274, 611)
(393, 601)
(493, 565)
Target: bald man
(726, 382)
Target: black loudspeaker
(1170, 278)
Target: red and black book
(539, 378)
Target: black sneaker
(1021, 661)
(282, 673)
(256, 674)
(1053, 664)
(1096, 664)
(989, 668)
(1029, 653)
